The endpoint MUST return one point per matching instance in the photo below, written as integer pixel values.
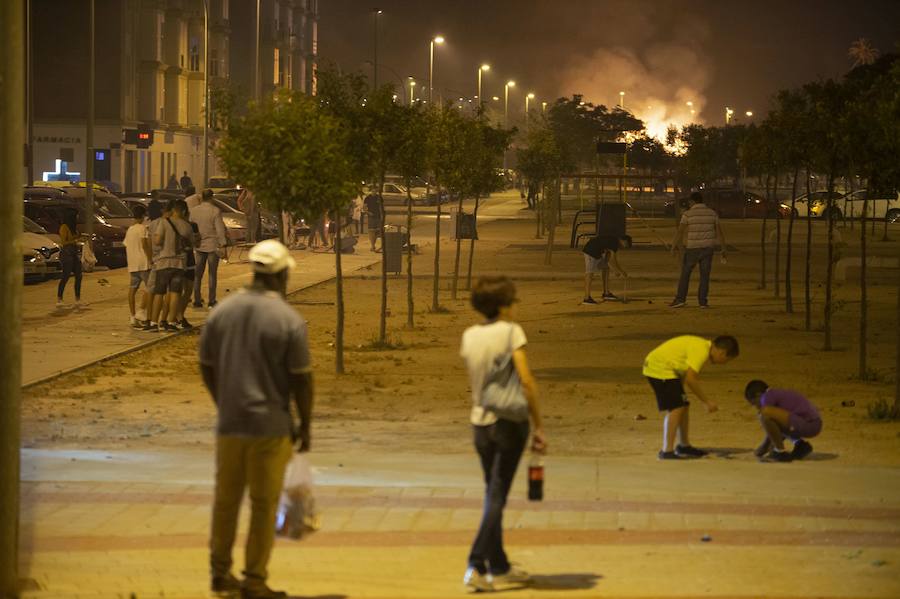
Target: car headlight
(232, 223)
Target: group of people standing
(169, 247)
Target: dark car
(112, 209)
(48, 206)
(730, 203)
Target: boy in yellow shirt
(672, 366)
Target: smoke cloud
(662, 69)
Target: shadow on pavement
(728, 453)
(317, 597)
(818, 456)
(564, 582)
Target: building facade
(149, 76)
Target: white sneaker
(60, 304)
(513, 576)
(478, 583)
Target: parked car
(48, 206)
(394, 194)
(812, 205)
(106, 205)
(422, 192)
(40, 253)
(221, 184)
(880, 206)
(729, 203)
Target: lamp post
(506, 87)
(89, 166)
(729, 113)
(375, 14)
(749, 113)
(622, 100)
(438, 39)
(528, 98)
(412, 91)
(481, 69)
(543, 107)
(205, 94)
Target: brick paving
(125, 533)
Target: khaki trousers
(257, 463)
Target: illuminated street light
(528, 98)
(506, 87)
(412, 90)
(495, 98)
(728, 114)
(482, 69)
(543, 107)
(749, 113)
(438, 39)
(690, 104)
(622, 100)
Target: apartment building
(150, 77)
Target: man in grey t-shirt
(701, 225)
(254, 359)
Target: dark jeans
(692, 257)
(202, 259)
(500, 447)
(70, 262)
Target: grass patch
(882, 409)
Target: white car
(881, 207)
(814, 205)
(395, 195)
(40, 253)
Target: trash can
(393, 249)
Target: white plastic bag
(297, 516)
(88, 259)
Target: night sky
(661, 53)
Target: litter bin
(393, 249)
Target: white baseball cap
(270, 256)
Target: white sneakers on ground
(476, 582)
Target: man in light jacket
(211, 227)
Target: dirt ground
(414, 396)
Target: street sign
(611, 147)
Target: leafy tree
(412, 159)
(293, 156)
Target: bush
(882, 409)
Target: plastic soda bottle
(536, 477)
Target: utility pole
(89, 154)
(375, 54)
(256, 56)
(12, 118)
(205, 95)
(29, 94)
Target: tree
(293, 156)
(541, 159)
(862, 52)
(412, 159)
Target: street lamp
(528, 98)
(438, 39)
(728, 114)
(412, 90)
(376, 12)
(622, 100)
(749, 113)
(543, 107)
(506, 87)
(482, 69)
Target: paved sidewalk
(109, 524)
(59, 339)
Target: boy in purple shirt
(783, 413)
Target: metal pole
(375, 62)
(12, 113)
(89, 153)
(430, 72)
(480, 101)
(506, 106)
(205, 94)
(256, 56)
(29, 91)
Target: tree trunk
(788, 288)
(435, 306)
(455, 284)
(762, 238)
(829, 272)
(863, 299)
(539, 210)
(777, 240)
(410, 323)
(807, 297)
(551, 213)
(382, 324)
(339, 299)
(884, 236)
(472, 244)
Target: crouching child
(783, 414)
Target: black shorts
(169, 280)
(669, 394)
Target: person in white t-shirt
(499, 440)
(138, 252)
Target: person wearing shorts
(174, 238)
(138, 254)
(783, 413)
(672, 366)
(599, 253)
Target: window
(195, 56)
(213, 62)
